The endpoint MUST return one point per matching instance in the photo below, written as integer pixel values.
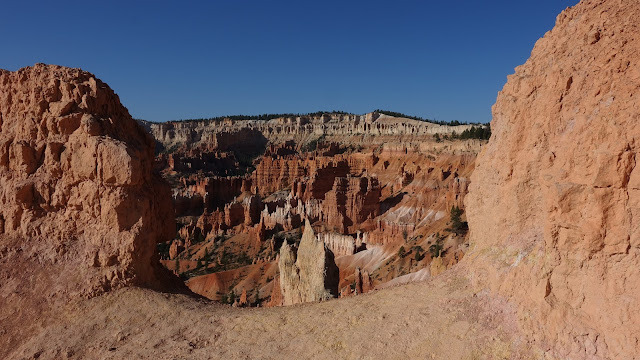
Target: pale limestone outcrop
(554, 202)
(342, 244)
(244, 132)
(310, 274)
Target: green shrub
(401, 252)
(436, 248)
(457, 225)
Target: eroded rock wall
(235, 134)
(554, 204)
(76, 182)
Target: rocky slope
(80, 210)
(555, 197)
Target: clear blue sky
(188, 59)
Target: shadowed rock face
(77, 193)
(311, 274)
(554, 203)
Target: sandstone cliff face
(332, 188)
(310, 274)
(235, 134)
(76, 183)
(554, 204)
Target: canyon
(122, 238)
(378, 191)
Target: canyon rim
(330, 234)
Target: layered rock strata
(356, 200)
(229, 133)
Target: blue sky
(189, 59)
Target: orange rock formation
(81, 209)
(555, 198)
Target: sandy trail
(440, 319)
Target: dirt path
(440, 319)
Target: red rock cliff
(78, 196)
(554, 204)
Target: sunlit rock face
(310, 274)
(78, 196)
(554, 202)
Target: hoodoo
(310, 274)
(554, 204)
(529, 250)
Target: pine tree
(457, 225)
(401, 252)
